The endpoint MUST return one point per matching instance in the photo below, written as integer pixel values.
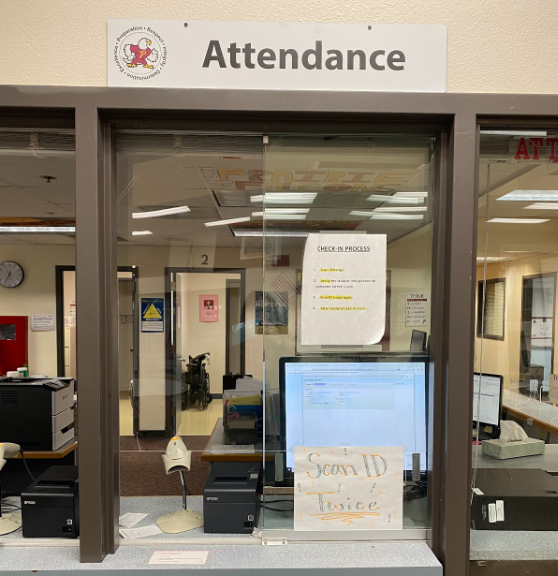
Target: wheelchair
(196, 380)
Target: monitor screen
(487, 410)
(363, 403)
(418, 341)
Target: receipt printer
(231, 498)
(49, 507)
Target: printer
(37, 414)
(50, 506)
(515, 499)
(231, 498)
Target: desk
(543, 416)
(14, 477)
(229, 554)
(217, 438)
(62, 452)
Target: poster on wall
(344, 289)
(209, 308)
(152, 314)
(42, 323)
(348, 488)
(276, 312)
(541, 332)
(416, 309)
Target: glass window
(348, 231)
(491, 308)
(515, 396)
(189, 343)
(37, 238)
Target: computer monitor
(362, 401)
(418, 341)
(487, 409)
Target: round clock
(11, 274)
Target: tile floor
(194, 422)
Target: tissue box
(506, 450)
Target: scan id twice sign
(276, 56)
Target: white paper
(500, 511)
(478, 491)
(492, 513)
(133, 533)
(343, 289)
(42, 323)
(348, 488)
(395, 57)
(131, 519)
(178, 557)
(416, 309)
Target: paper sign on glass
(348, 488)
(343, 289)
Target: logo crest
(140, 53)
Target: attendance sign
(279, 56)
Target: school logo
(140, 53)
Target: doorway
(206, 310)
(536, 356)
(128, 338)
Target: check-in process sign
(278, 56)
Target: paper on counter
(131, 519)
(178, 557)
(134, 533)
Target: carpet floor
(142, 472)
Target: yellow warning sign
(152, 313)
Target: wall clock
(11, 274)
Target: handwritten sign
(348, 488)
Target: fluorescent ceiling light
(275, 216)
(530, 196)
(361, 213)
(489, 259)
(159, 213)
(542, 206)
(38, 229)
(401, 209)
(412, 194)
(142, 233)
(514, 133)
(229, 221)
(396, 199)
(271, 233)
(286, 198)
(389, 216)
(518, 220)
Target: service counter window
(190, 287)
(514, 514)
(38, 400)
(346, 320)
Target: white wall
(496, 46)
(36, 295)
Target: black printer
(231, 498)
(50, 506)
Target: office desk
(217, 438)
(62, 452)
(547, 461)
(14, 476)
(543, 416)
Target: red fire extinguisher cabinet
(13, 342)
